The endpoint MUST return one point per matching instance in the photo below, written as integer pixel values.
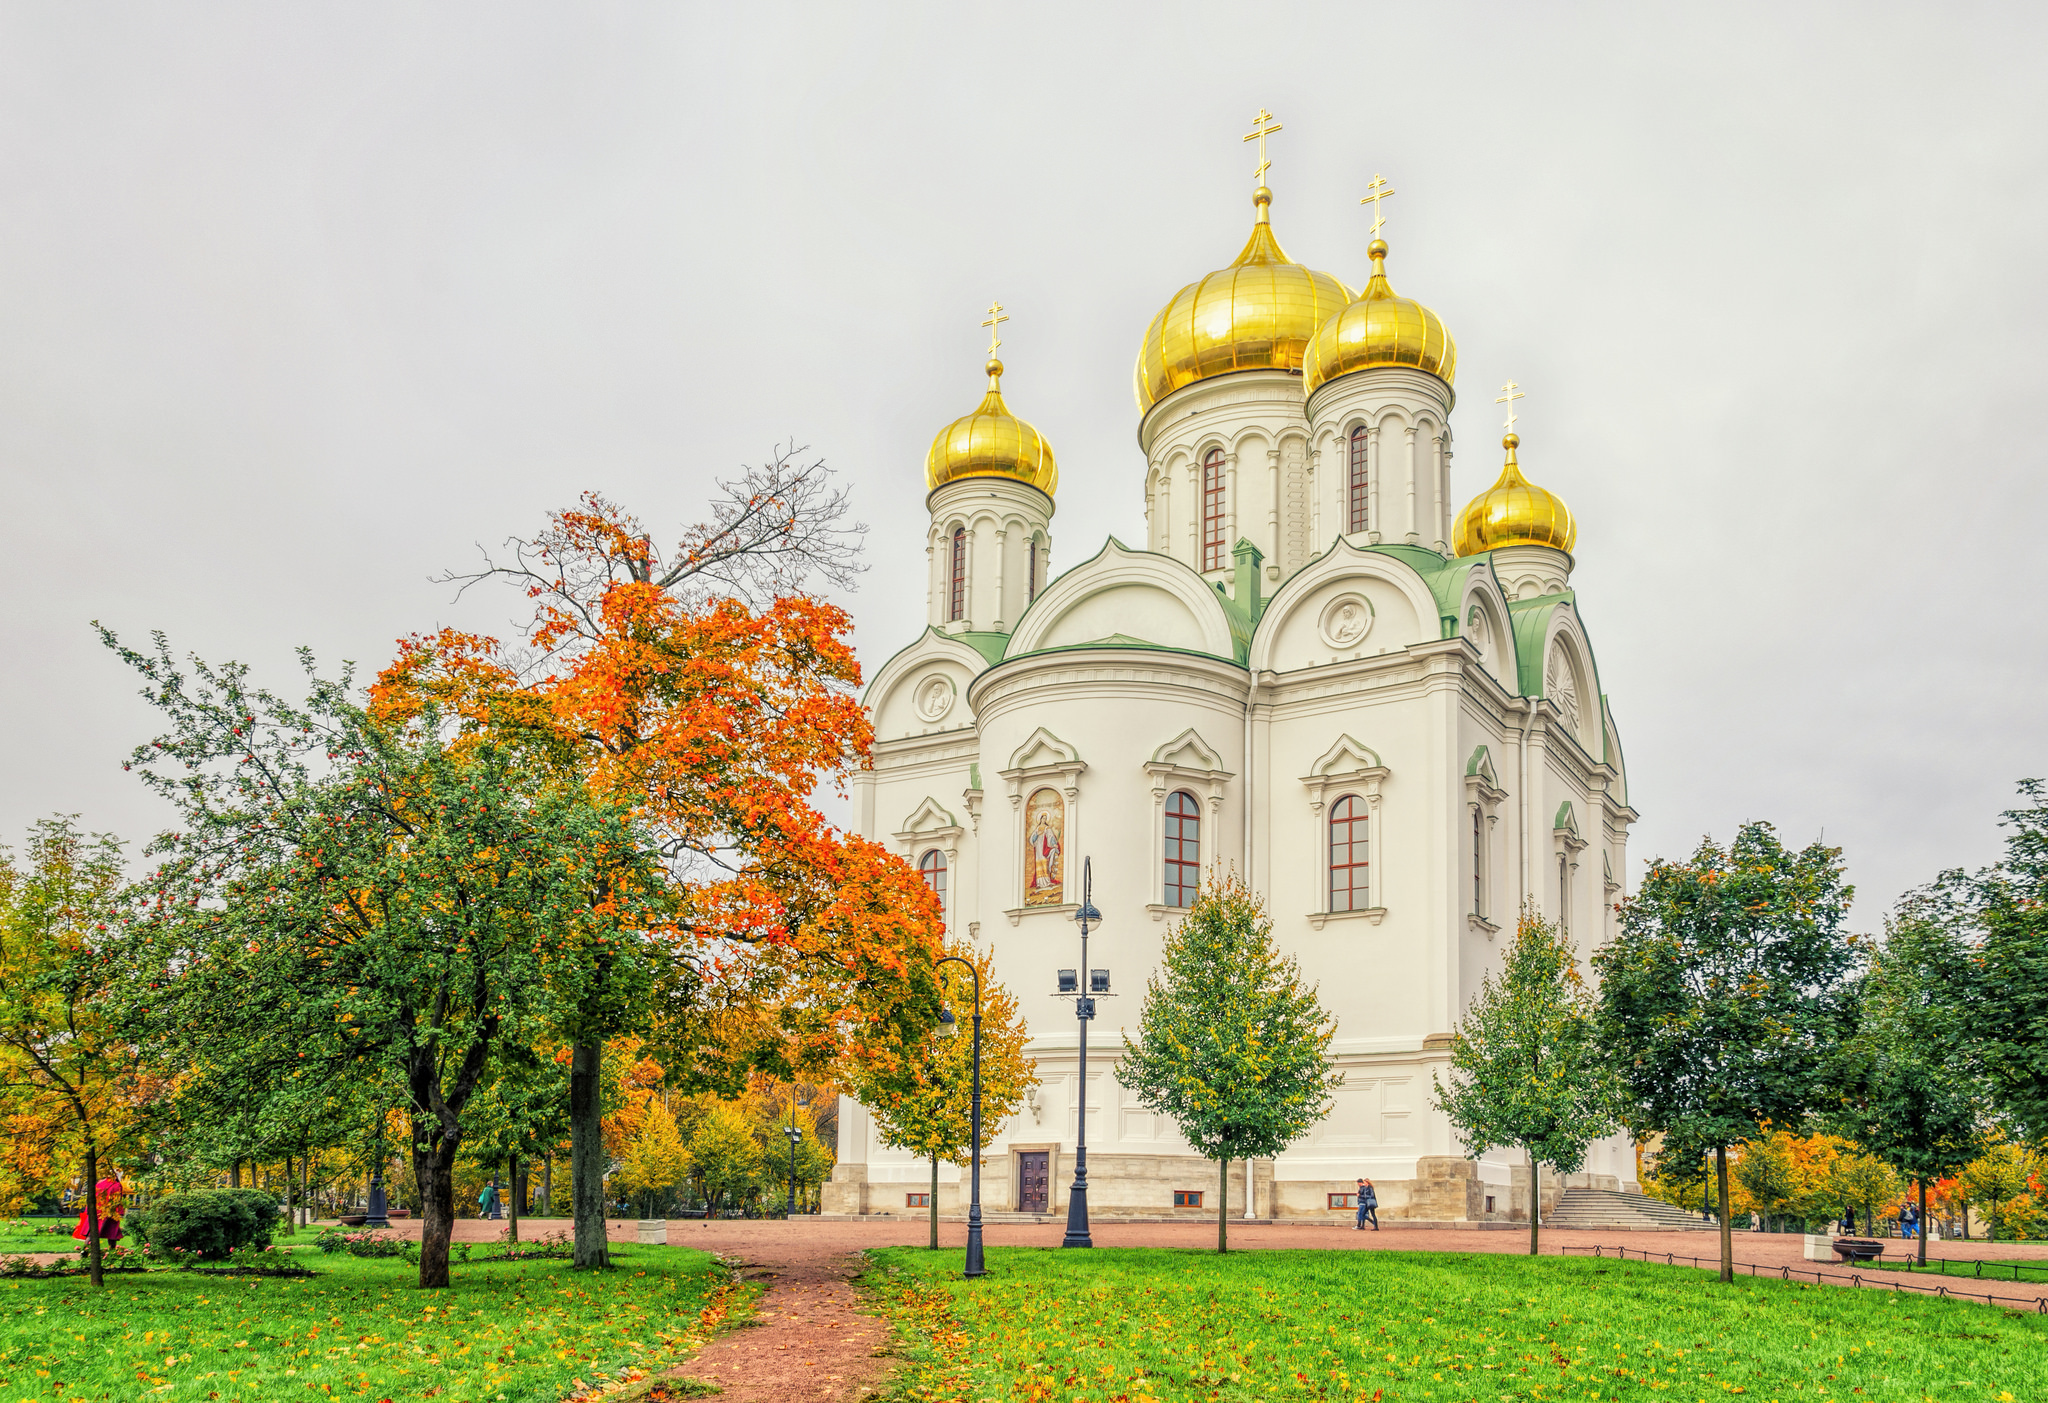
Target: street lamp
(950, 1027)
(795, 1136)
(1084, 1013)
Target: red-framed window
(1350, 855)
(959, 604)
(923, 1200)
(1030, 570)
(1349, 1200)
(1183, 848)
(1187, 1198)
(1213, 480)
(1360, 443)
(932, 867)
(1478, 864)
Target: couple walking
(1368, 1207)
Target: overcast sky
(299, 303)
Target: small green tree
(932, 1119)
(1765, 1173)
(1724, 996)
(1914, 1092)
(656, 1160)
(1526, 1070)
(2008, 906)
(2000, 1183)
(725, 1155)
(1863, 1181)
(1231, 1043)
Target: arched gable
(1556, 664)
(1305, 623)
(923, 688)
(1126, 598)
(1484, 621)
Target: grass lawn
(362, 1329)
(1150, 1324)
(1975, 1268)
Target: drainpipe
(1528, 720)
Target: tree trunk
(547, 1185)
(932, 1203)
(586, 1155)
(92, 1209)
(1727, 1228)
(291, 1208)
(1921, 1227)
(235, 1174)
(433, 1168)
(1223, 1203)
(512, 1187)
(1535, 1201)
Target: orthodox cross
(1375, 192)
(1509, 393)
(1263, 126)
(996, 317)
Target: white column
(1002, 544)
(1408, 435)
(1273, 511)
(1375, 469)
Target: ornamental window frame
(1215, 470)
(1483, 796)
(1357, 480)
(1347, 768)
(930, 828)
(1189, 764)
(956, 577)
(1567, 844)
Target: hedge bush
(210, 1222)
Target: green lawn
(362, 1329)
(1147, 1324)
(1977, 1269)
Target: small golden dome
(1381, 328)
(1515, 512)
(1257, 314)
(991, 442)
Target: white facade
(1452, 703)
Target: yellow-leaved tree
(657, 1160)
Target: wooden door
(1033, 1172)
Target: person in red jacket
(112, 1210)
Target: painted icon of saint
(1045, 822)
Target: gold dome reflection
(1381, 328)
(991, 442)
(1257, 314)
(1515, 512)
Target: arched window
(1031, 570)
(1478, 864)
(1212, 510)
(959, 604)
(932, 867)
(1359, 443)
(1350, 855)
(1564, 895)
(1183, 848)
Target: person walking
(1368, 1205)
(487, 1201)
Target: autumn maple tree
(702, 689)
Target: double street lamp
(795, 1137)
(950, 1026)
(1084, 1013)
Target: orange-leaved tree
(707, 691)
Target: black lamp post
(950, 1026)
(378, 1209)
(1084, 1013)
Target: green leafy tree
(2008, 905)
(1526, 1069)
(65, 1064)
(1766, 1175)
(931, 1118)
(656, 1161)
(2000, 1183)
(366, 900)
(1864, 1182)
(1914, 1090)
(1724, 994)
(725, 1155)
(519, 1117)
(1231, 1043)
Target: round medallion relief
(1346, 620)
(934, 697)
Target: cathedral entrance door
(1032, 1174)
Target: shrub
(209, 1223)
(368, 1242)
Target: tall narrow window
(932, 867)
(1359, 444)
(1564, 895)
(959, 605)
(1031, 570)
(1212, 510)
(1183, 848)
(1478, 865)
(1350, 855)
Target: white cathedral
(1384, 714)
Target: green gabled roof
(987, 643)
(1241, 623)
(1530, 619)
(1445, 578)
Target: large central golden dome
(991, 442)
(1381, 328)
(1257, 314)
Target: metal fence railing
(1898, 1283)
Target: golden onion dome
(1257, 314)
(1515, 512)
(991, 442)
(1381, 328)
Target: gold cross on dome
(996, 317)
(1263, 126)
(1376, 190)
(1509, 393)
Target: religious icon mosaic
(1045, 847)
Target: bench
(1858, 1249)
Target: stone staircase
(1607, 1208)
